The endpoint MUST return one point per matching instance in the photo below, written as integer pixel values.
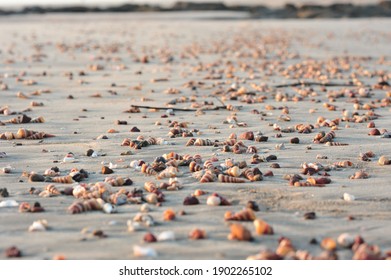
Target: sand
(63, 44)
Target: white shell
(40, 225)
(151, 198)
(170, 111)
(8, 203)
(69, 158)
(108, 208)
(3, 155)
(78, 191)
(144, 252)
(345, 240)
(213, 200)
(135, 164)
(166, 236)
(348, 197)
(133, 226)
(113, 166)
(94, 154)
(280, 146)
(7, 169)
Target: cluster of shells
(219, 161)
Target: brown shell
(248, 135)
(197, 234)
(244, 215)
(193, 166)
(168, 215)
(190, 142)
(207, 177)
(63, 179)
(146, 169)
(239, 232)
(328, 244)
(228, 179)
(261, 227)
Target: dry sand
(61, 44)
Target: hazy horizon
(18, 3)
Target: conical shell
(239, 232)
(261, 227)
(244, 215)
(228, 179)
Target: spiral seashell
(229, 162)
(249, 174)
(238, 149)
(174, 184)
(63, 179)
(24, 133)
(239, 232)
(51, 173)
(196, 234)
(233, 171)
(116, 182)
(168, 215)
(328, 137)
(244, 215)
(169, 172)
(335, 144)
(207, 177)
(38, 120)
(194, 167)
(51, 190)
(262, 228)
(39, 135)
(146, 169)
(208, 165)
(19, 119)
(367, 252)
(85, 206)
(228, 179)
(343, 164)
(197, 158)
(229, 142)
(190, 142)
(203, 142)
(172, 155)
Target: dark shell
(135, 129)
(89, 152)
(36, 178)
(191, 200)
(295, 140)
(106, 170)
(4, 192)
(252, 205)
(149, 237)
(309, 216)
(271, 157)
(13, 252)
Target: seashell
(13, 252)
(79, 190)
(168, 215)
(197, 158)
(384, 160)
(207, 177)
(144, 252)
(109, 208)
(199, 192)
(208, 165)
(248, 135)
(86, 205)
(213, 200)
(3, 155)
(252, 205)
(318, 181)
(190, 142)
(335, 144)
(135, 164)
(172, 155)
(348, 197)
(146, 169)
(285, 247)
(63, 180)
(69, 158)
(36, 178)
(50, 190)
(194, 167)
(345, 163)
(8, 203)
(133, 226)
(275, 165)
(234, 171)
(19, 119)
(40, 225)
(166, 236)
(367, 252)
(345, 240)
(196, 234)
(38, 120)
(244, 215)
(228, 179)
(150, 187)
(203, 142)
(328, 244)
(262, 228)
(118, 198)
(169, 172)
(151, 198)
(191, 200)
(374, 132)
(359, 175)
(4, 192)
(249, 174)
(239, 232)
(149, 237)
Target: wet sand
(219, 56)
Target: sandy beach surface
(86, 70)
